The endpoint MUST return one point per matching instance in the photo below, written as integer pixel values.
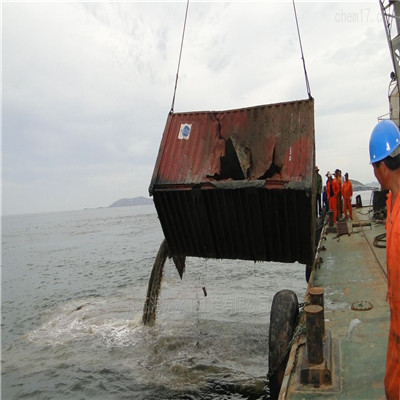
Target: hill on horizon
(357, 185)
(135, 201)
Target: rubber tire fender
(283, 321)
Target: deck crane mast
(390, 10)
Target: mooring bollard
(316, 296)
(314, 321)
(330, 218)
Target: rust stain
(346, 291)
(273, 142)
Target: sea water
(73, 289)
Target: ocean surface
(73, 290)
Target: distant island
(136, 201)
(358, 186)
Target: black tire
(283, 321)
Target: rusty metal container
(238, 184)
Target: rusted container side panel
(274, 143)
(192, 160)
(239, 183)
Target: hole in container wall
(230, 165)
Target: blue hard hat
(385, 138)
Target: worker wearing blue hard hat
(384, 151)
(385, 139)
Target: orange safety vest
(339, 182)
(347, 189)
(392, 377)
(335, 189)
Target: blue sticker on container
(184, 131)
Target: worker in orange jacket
(332, 190)
(347, 193)
(338, 179)
(384, 148)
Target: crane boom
(390, 10)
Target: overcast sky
(87, 86)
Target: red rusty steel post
(314, 321)
(316, 295)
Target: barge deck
(352, 272)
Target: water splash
(84, 319)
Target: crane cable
(302, 54)
(180, 56)
(179, 61)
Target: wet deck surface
(353, 272)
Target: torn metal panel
(238, 183)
